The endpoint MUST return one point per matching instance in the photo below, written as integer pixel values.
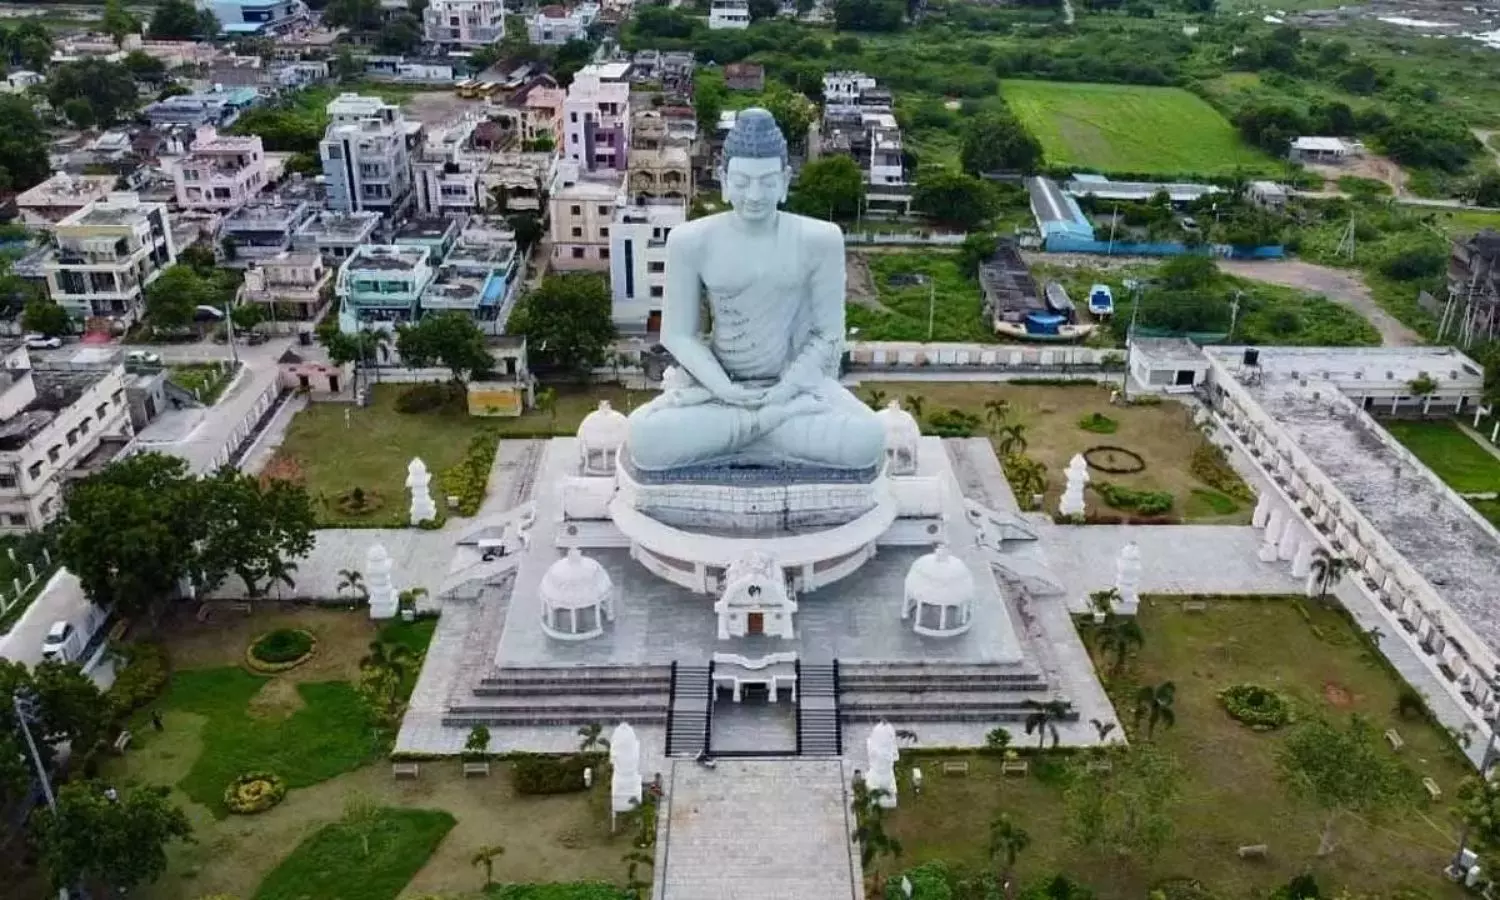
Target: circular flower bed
(253, 793)
(1258, 707)
(279, 650)
(1114, 460)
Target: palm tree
(591, 737)
(353, 580)
(874, 841)
(906, 736)
(280, 570)
(485, 856)
(1154, 704)
(1011, 439)
(1119, 635)
(914, 404)
(1325, 573)
(408, 598)
(1007, 840)
(389, 659)
(875, 399)
(1103, 728)
(1043, 718)
(996, 412)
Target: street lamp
(26, 708)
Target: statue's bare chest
(759, 268)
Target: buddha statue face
(755, 186)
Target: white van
(64, 643)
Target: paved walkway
(757, 829)
(1479, 439)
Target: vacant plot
(333, 448)
(1163, 435)
(1231, 794)
(916, 296)
(1452, 455)
(1124, 128)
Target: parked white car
(143, 358)
(42, 342)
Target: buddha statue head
(755, 174)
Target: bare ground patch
(343, 637)
(860, 284)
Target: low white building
(638, 263)
(729, 14)
(553, 26)
(1324, 149)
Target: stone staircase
(561, 695)
(818, 728)
(941, 692)
(692, 700)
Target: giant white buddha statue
(761, 387)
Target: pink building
(221, 172)
(596, 118)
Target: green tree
(566, 321)
(107, 87)
(996, 412)
(527, 227)
(870, 832)
(1127, 811)
(174, 297)
(248, 529)
(449, 339)
(1154, 704)
(352, 580)
(591, 737)
(832, 187)
(361, 818)
(478, 742)
(1011, 439)
(79, 112)
(976, 249)
(1043, 718)
(115, 844)
(28, 45)
(868, 15)
(793, 113)
(709, 95)
(953, 198)
(359, 15)
(73, 709)
(344, 67)
(1326, 572)
(401, 34)
(994, 142)
(118, 22)
(1118, 635)
(1188, 272)
(1007, 841)
(144, 66)
(180, 20)
(247, 315)
(46, 317)
(1343, 770)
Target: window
(73, 438)
(7, 480)
(656, 267)
(15, 520)
(34, 471)
(656, 290)
(189, 174)
(578, 253)
(83, 427)
(604, 253)
(47, 506)
(603, 231)
(573, 138)
(118, 397)
(577, 210)
(577, 232)
(573, 117)
(54, 452)
(605, 210)
(101, 410)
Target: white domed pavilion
(939, 595)
(577, 598)
(601, 434)
(902, 434)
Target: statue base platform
(747, 500)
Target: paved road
(1340, 285)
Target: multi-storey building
(290, 286)
(596, 118)
(661, 166)
(258, 231)
(582, 209)
(48, 203)
(463, 23)
(553, 26)
(366, 161)
(106, 254)
(54, 424)
(335, 235)
(858, 122)
(638, 262)
(244, 17)
(222, 172)
(729, 14)
(481, 275)
(379, 285)
(842, 90)
(217, 108)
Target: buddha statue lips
(762, 387)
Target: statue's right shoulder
(691, 233)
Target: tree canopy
(45, 316)
(28, 44)
(566, 321)
(869, 15)
(118, 21)
(994, 142)
(23, 145)
(832, 187)
(954, 198)
(135, 531)
(173, 298)
(450, 340)
(117, 843)
(107, 86)
(1342, 769)
(181, 20)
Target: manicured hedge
(542, 774)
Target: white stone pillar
(417, 481)
(1262, 511)
(1302, 562)
(383, 600)
(1290, 535)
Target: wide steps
(567, 717)
(818, 726)
(657, 700)
(687, 734)
(582, 677)
(919, 713)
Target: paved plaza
(757, 829)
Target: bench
(242, 606)
(405, 770)
(956, 767)
(1194, 606)
(1099, 765)
(1253, 851)
(476, 770)
(122, 742)
(118, 631)
(1394, 738)
(1433, 790)
(1015, 767)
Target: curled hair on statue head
(755, 135)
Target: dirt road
(1340, 285)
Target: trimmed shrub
(279, 650)
(429, 396)
(1211, 466)
(468, 478)
(952, 423)
(1145, 502)
(142, 679)
(1098, 423)
(1259, 707)
(536, 773)
(253, 793)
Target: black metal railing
(797, 709)
(708, 713)
(838, 730)
(671, 701)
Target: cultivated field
(1126, 128)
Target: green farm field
(1132, 129)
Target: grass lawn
(898, 311)
(373, 447)
(1230, 794)
(337, 863)
(206, 381)
(1163, 435)
(1130, 129)
(1452, 455)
